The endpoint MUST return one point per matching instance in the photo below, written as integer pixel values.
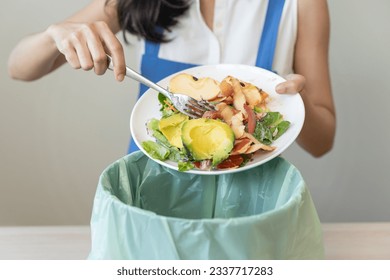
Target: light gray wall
(58, 134)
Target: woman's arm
(81, 40)
(312, 77)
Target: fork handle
(139, 78)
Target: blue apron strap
(152, 48)
(151, 51)
(267, 45)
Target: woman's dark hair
(148, 18)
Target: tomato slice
(231, 162)
(251, 119)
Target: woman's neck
(207, 10)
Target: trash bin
(143, 210)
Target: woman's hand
(294, 83)
(84, 45)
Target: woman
(290, 37)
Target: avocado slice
(170, 127)
(207, 139)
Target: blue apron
(156, 69)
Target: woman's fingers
(98, 54)
(80, 43)
(71, 57)
(115, 50)
(294, 83)
(101, 40)
(85, 46)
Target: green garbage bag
(143, 210)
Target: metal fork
(184, 103)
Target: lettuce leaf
(155, 150)
(166, 106)
(270, 128)
(185, 165)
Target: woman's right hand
(84, 46)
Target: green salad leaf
(270, 127)
(185, 165)
(155, 150)
(166, 106)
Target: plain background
(59, 133)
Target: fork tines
(197, 108)
(207, 105)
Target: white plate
(290, 105)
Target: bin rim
(237, 220)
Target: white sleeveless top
(235, 37)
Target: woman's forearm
(33, 57)
(317, 135)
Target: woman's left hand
(294, 83)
